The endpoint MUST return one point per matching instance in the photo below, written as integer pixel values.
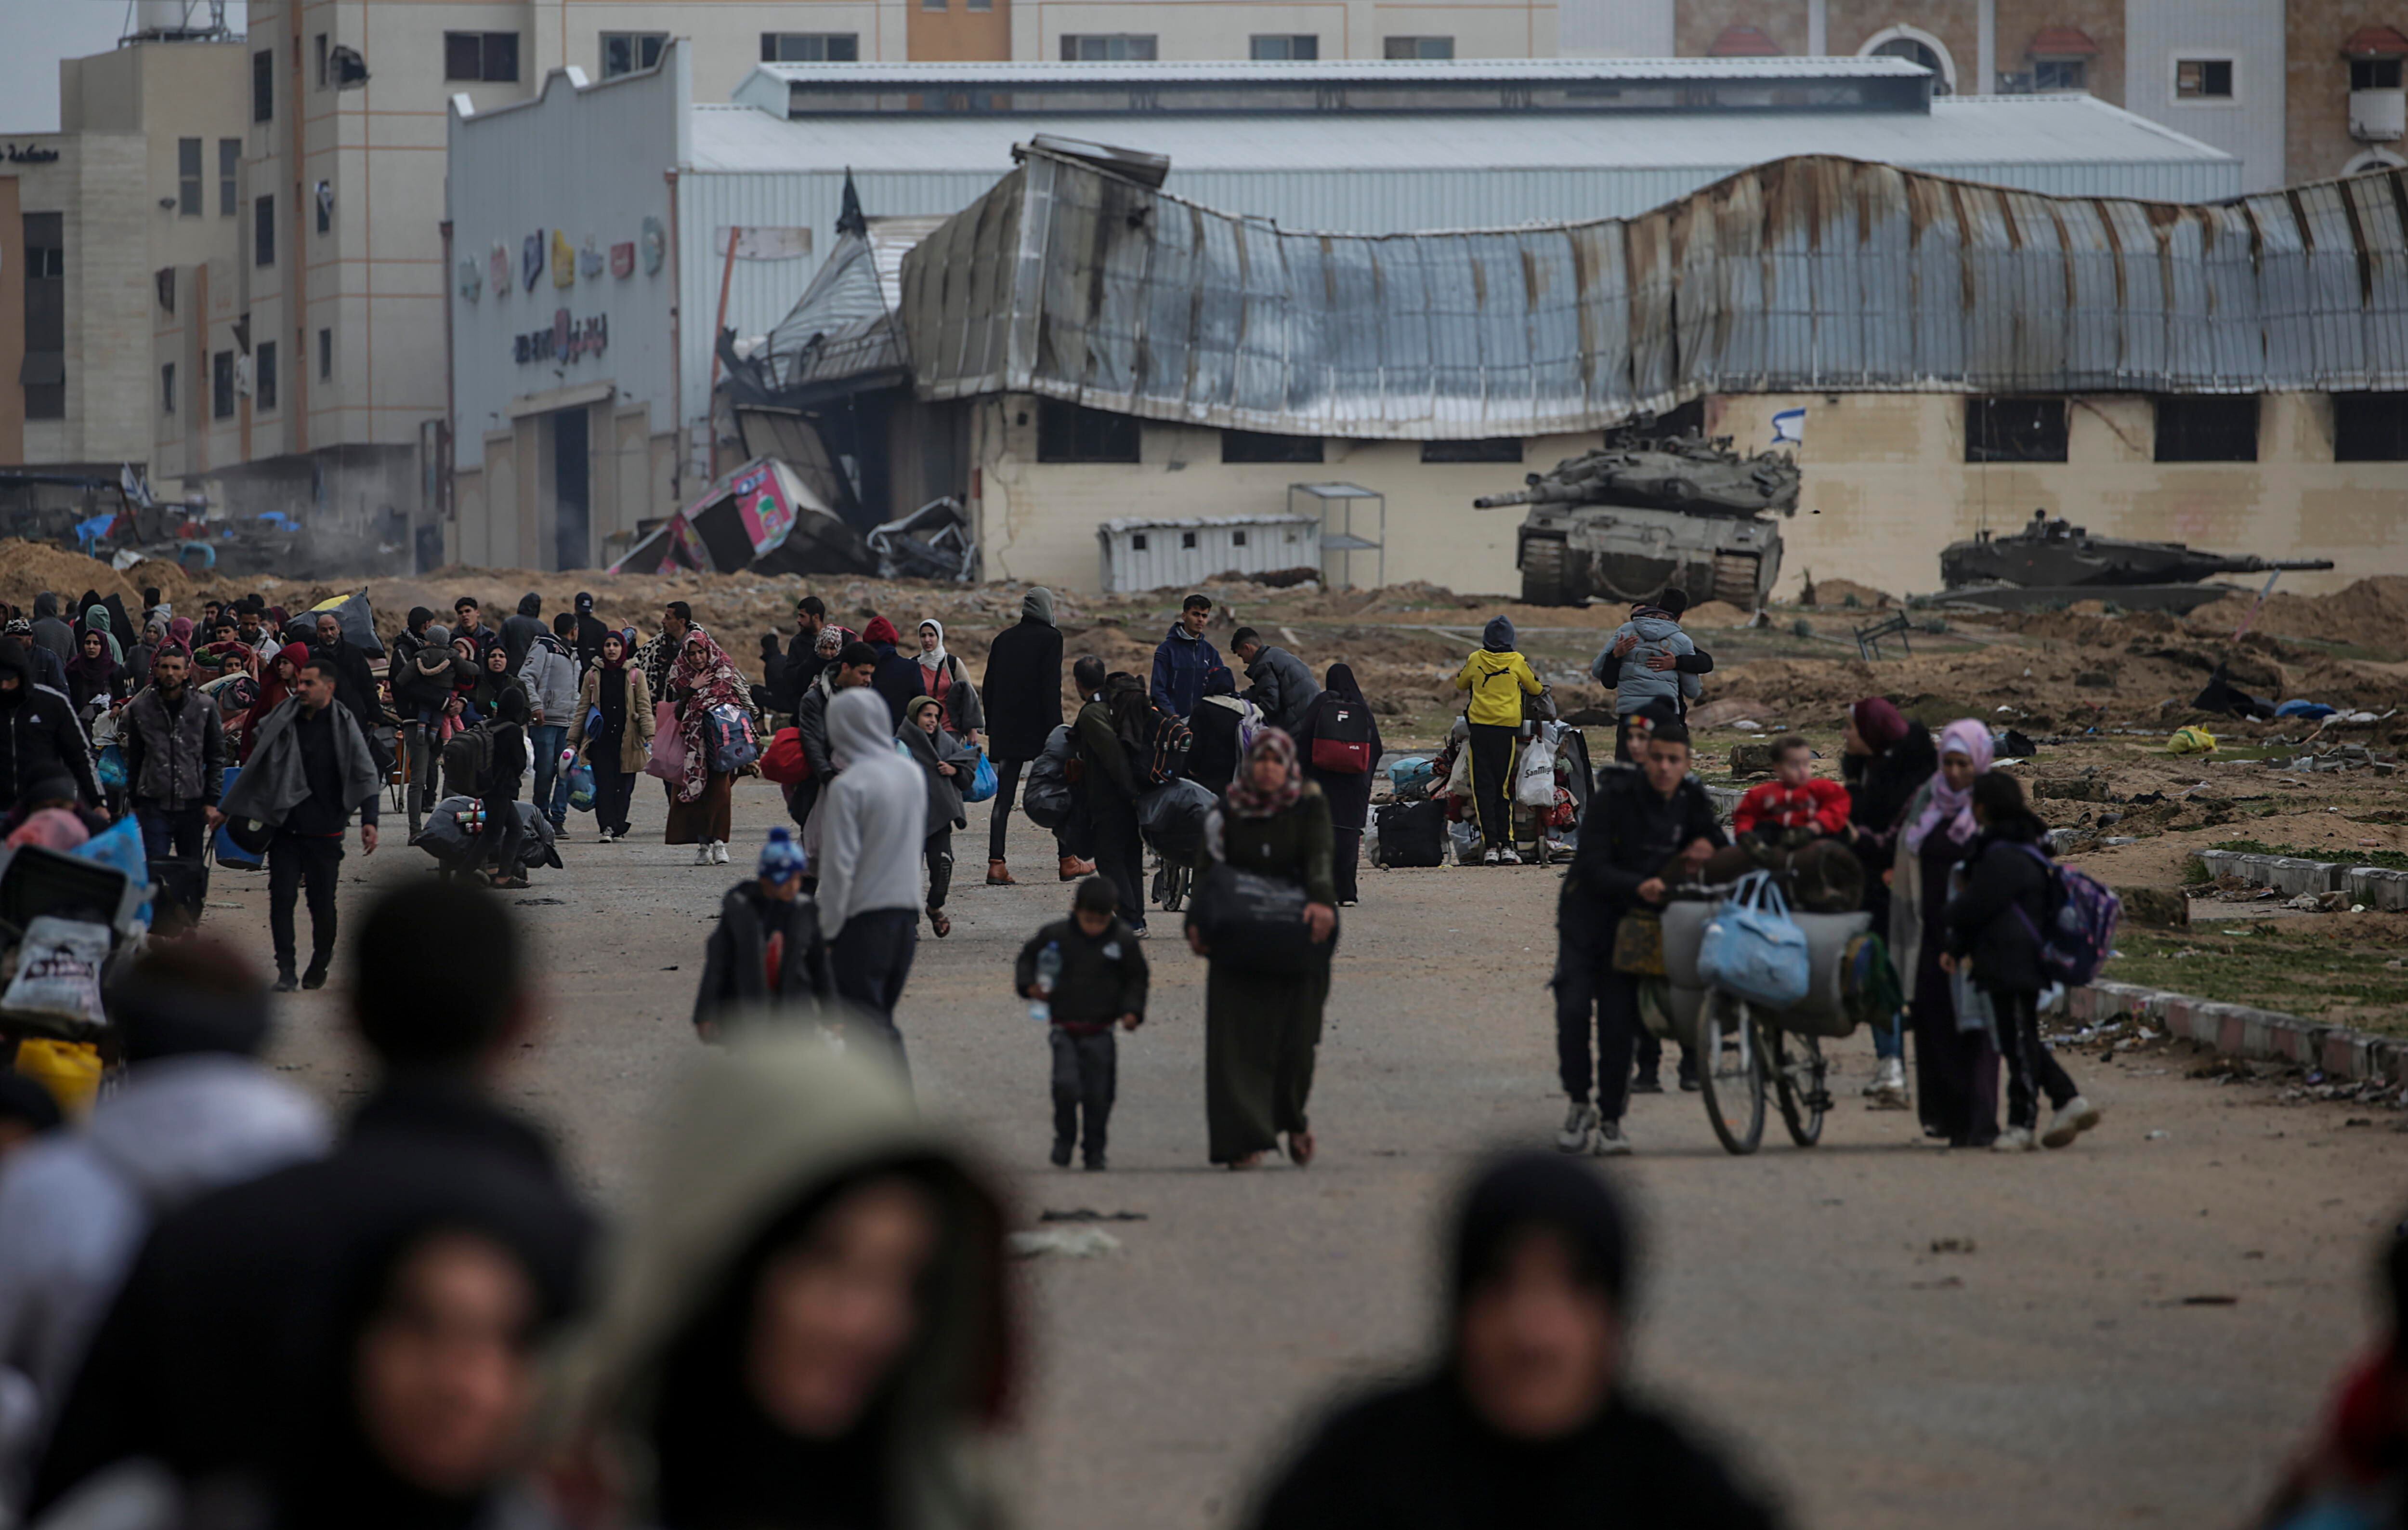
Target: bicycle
(1742, 1049)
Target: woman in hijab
(620, 707)
(283, 678)
(1349, 792)
(943, 677)
(1955, 1071)
(95, 619)
(495, 681)
(1526, 1418)
(180, 631)
(504, 836)
(1261, 1027)
(95, 680)
(1884, 759)
(807, 1327)
(699, 811)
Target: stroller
(455, 835)
(1171, 817)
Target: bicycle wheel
(1798, 1082)
(1730, 1071)
(1175, 879)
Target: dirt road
(2136, 1330)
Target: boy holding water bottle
(1082, 975)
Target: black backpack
(1410, 834)
(468, 757)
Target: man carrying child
(1088, 971)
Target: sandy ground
(2061, 1371)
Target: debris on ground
(1069, 1242)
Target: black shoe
(314, 978)
(1647, 1083)
(1061, 1154)
(1095, 1163)
(1688, 1076)
(287, 982)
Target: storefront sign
(472, 281)
(531, 260)
(31, 154)
(761, 501)
(497, 266)
(564, 340)
(656, 245)
(563, 260)
(623, 260)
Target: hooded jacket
(1996, 917)
(519, 631)
(872, 819)
(735, 965)
(49, 630)
(1282, 687)
(1637, 685)
(811, 725)
(1184, 665)
(897, 675)
(1022, 691)
(930, 750)
(40, 735)
(426, 681)
(753, 1133)
(1635, 832)
(1498, 677)
(175, 757)
(74, 1208)
(549, 674)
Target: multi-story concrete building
(2298, 89)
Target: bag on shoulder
(2082, 918)
(728, 731)
(468, 759)
(1045, 795)
(785, 761)
(1254, 923)
(1341, 735)
(1164, 756)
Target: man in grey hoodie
(871, 823)
(198, 1111)
(550, 672)
(49, 631)
(1282, 686)
(1633, 659)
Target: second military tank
(1644, 514)
(2056, 553)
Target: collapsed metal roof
(1803, 275)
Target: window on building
(932, 5)
(1137, 542)
(1107, 48)
(980, 5)
(1283, 48)
(43, 374)
(625, 53)
(2060, 74)
(263, 231)
(489, 56)
(1495, 449)
(222, 385)
(1419, 47)
(263, 376)
(1067, 433)
(1255, 446)
(325, 354)
(229, 176)
(2204, 80)
(811, 48)
(2207, 429)
(322, 61)
(1915, 50)
(2014, 431)
(1186, 538)
(168, 390)
(2375, 74)
(188, 178)
(2371, 427)
(1237, 538)
(263, 85)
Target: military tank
(2056, 554)
(1644, 514)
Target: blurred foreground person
(1525, 1420)
(2356, 1475)
(198, 1111)
(215, 1363)
(805, 1328)
(873, 824)
(766, 949)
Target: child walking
(1085, 973)
(947, 766)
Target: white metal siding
(1166, 561)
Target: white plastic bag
(1534, 773)
(58, 969)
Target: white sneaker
(1508, 857)
(702, 853)
(603, 838)
(1580, 1124)
(1489, 857)
(2073, 1118)
(1887, 1089)
(719, 852)
(2014, 1139)
(1611, 1143)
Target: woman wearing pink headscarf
(1956, 1072)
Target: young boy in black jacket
(1090, 971)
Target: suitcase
(1410, 834)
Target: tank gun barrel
(2263, 565)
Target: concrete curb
(2262, 1034)
(2375, 886)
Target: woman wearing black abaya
(1956, 1070)
(1349, 792)
(1524, 1420)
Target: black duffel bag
(1253, 923)
(1410, 834)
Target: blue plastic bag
(581, 786)
(112, 769)
(120, 847)
(982, 786)
(1753, 949)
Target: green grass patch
(2305, 966)
(2389, 859)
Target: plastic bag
(982, 783)
(112, 769)
(58, 969)
(668, 759)
(580, 788)
(1753, 949)
(119, 846)
(1534, 773)
(2193, 739)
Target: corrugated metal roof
(1003, 75)
(1962, 135)
(1805, 275)
(842, 326)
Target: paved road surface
(2056, 1374)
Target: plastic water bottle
(1049, 972)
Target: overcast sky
(39, 33)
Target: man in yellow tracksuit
(1498, 677)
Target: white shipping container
(1143, 555)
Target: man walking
(1282, 686)
(468, 622)
(519, 633)
(549, 674)
(175, 760)
(803, 662)
(355, 685)
(310, 769)
(873, 823)
(852, 670)
(49, 630)
(1024, 705)
(1184, 664)
(1643, 820)
(590, 633)
(40, 735)
(1111, 785)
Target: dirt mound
(1711, 613)
(1842, 592)
(2370, 613)
(29, 568)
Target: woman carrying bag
(1955, 1067)
(945, 678)
(615, 697)
(701, 799)
(1266, 845)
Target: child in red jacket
(1793, 798)
(1791, 826)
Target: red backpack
(1341, 735)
